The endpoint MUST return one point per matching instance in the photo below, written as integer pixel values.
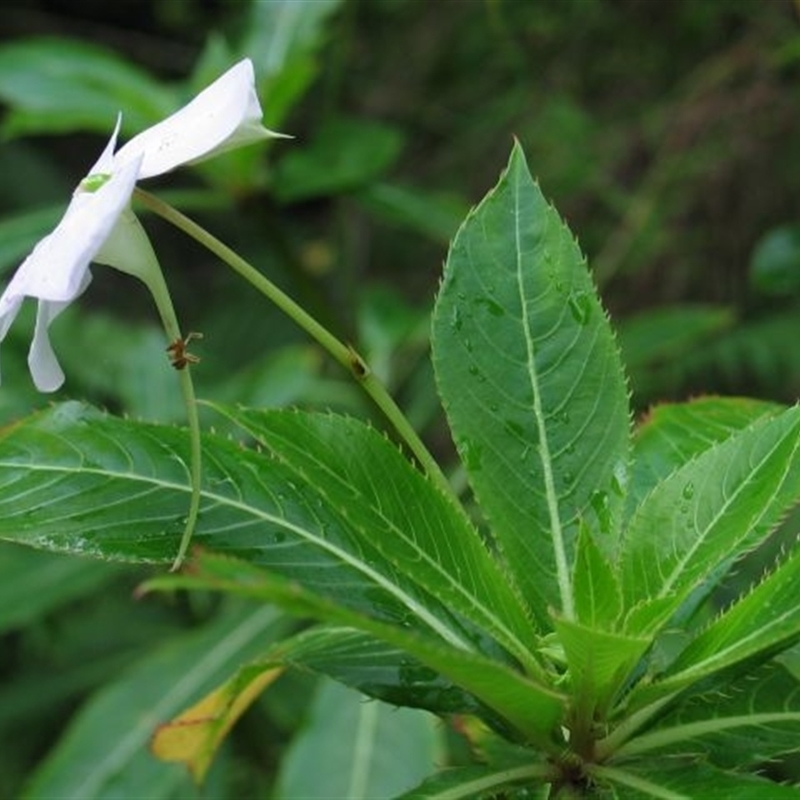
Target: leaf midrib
(406, 600)
(498, 625)
(680, 566)
(543, 449)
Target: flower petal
(128, 248)
(224, 115)
(57, 271)
(56, 267)
(105, 163)
(42, 362)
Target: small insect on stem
(179, 355)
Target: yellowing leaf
(193, 737)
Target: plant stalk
(341, 352)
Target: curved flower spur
(99, 226)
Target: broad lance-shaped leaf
(464, 783)
(598, 598)
(685, 779)
(346, 654)
(534, 710)
(375, 668)
(748, 722)
(75, 480)
(532, 385)
(765, 621)
(673, 434)
(694, 524)
(401, 514)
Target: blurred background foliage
(665, 133)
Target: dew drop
(619, 479)
(580, 306)
(472, 454)
(513, 428)
(688, 491)
(494, 308)
(601, 506)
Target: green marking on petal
(91, 183)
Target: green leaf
(104, 753)
(598, 600)
(33, 583)
(775, 264)
(392, 334)
(282, 38)
(346, 154)
(345, 653)
(532, 385)
(356, 469)
(34, 72)
(354, 748)
(599, 664)
(532, 709)
(765, 621)
(432, 214)
(694, 524)
(688, 779)
(79, 481)
(484, 781)
(128, 366)
(375, 668)
(657, 345)
(673, 434)
(655, 337)
(747, 723)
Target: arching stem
(341, 352)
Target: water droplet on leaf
(471, 454)
(601, 506)
(495, 309)
(580, 306)
(688, 491)
(619, 478)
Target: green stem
(341, 352)
(193, 419)
(160, 292)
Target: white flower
(225, 115)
